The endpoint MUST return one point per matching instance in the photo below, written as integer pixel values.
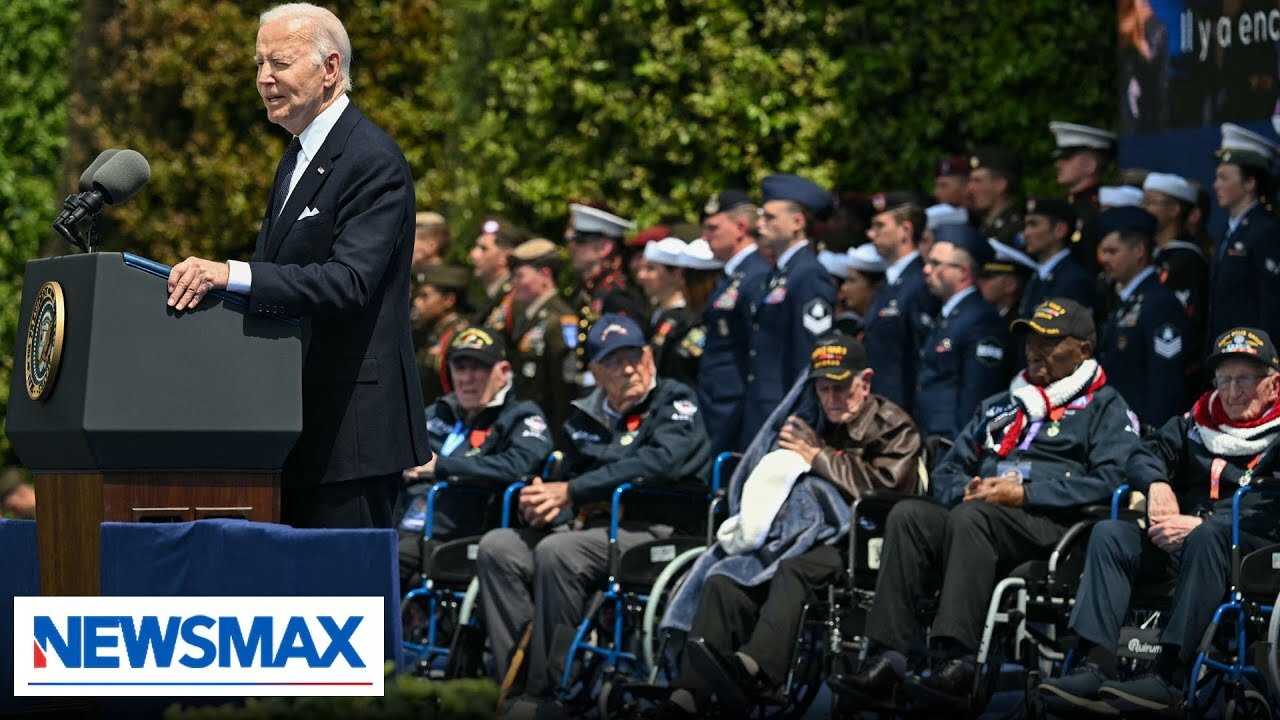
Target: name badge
(1018, 472)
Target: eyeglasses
(622, 358)
(1244, 382)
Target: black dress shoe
(875, 681)
(949, 685)
(732, 685)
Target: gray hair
(326, 34)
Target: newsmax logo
(201, 646)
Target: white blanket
(763, 494)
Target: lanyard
(1215, 474)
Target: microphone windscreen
(86, 177)
(122, 176)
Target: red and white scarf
(1227, 438)
(1032, 404)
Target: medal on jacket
(632, 425)
(477, 437)
(1055, 416)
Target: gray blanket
(814, 513)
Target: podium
(125, 410)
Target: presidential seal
(44, 340)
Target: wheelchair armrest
(1117, 497)
(1071, 536)
(510, 492)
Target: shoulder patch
(818, 318)
(1133, 426)
(569, 331)
(535, 427)
(685, 410)
(989, 351)
(436, 426)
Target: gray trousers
(545, 577)
(1120, 554)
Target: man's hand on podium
(193, 278)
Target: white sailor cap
(1006, 258)
(864, 258)
(593, 221)
(944, 214)
(1071, 137)
(696, 255)
(1119, 196)
(1245, 147)
(1175, 186)
(836, 264)
(665, 251)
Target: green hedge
(33, 135)
(514, 106)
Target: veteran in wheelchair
(1189, 471)
(482, 433)
(742, 601)
(633, 428)
(1018, 475)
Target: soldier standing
(437, 312)
(994, 174)
(595, 249)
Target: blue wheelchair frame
(613, 653)
(1238, 670)
(425, 653)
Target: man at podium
(334, 249)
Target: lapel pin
(320, 170)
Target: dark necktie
(284, 171)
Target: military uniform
(1084, 241)
(1184, 269)
(607, 292)
(794, 308)
(677, 340)
(900, 316)
(1004, 225)
(961, 363)
(726, 324)
(495, 311)
(542, 359)
(1142, 348)
(1065, 279)
(430, 346)
(1245, 279)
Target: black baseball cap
(1244, 342)
(478, 344)
(837, 357)
(1058, 318)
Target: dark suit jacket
(345, 271)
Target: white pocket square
(308, 212)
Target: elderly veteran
(1057, 440)
(743, 613)
(480, 431)
(633, 428)
(1189, 470)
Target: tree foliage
(33, 132)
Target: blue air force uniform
(1143, 351)
(794, 308)
(1244, 288)
(900, 315)
(961, 363)
(1066, 278)
(726, 323)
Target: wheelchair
(1229, 666)
(448, 585)
(617, 662)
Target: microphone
(86, 177)
(118, 179)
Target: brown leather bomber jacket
(878, 449)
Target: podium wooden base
(70, 507)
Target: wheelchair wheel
(1247, 705)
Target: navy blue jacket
(1176, 455)
(961, 363)
(1143, 350)
(502, 444)
(897, 321)
(726, 322)
(1245, 287)
(1068, 279)
(1082, 464)
(345, 270)
(796, 306)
